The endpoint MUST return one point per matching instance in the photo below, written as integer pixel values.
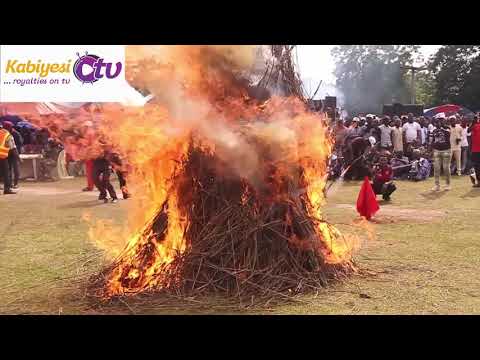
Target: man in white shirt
(412, 131)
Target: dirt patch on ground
(50, 191)
(390, 214)
(45, 191)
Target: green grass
(423, 261)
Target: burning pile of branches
(280, 73)
(240, 240)
(229, 184)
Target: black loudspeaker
(416, 110)
(398, 109)
(330, 102)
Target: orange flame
(199, 96)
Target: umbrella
(27, 125)
(12, 118)
(447, 110)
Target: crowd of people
(383, 148)
(22, 138)
(98, 162)
(406, 147)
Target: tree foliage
(372, 75)
(455, 70)
(425, 86)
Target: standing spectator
(411, 131)
(371, 128)
(385, 134)
(455, 141)
(354, 130)
(397, 137)
(423, 131)
(465, 147)
(14, 155)
(441, 153)
(475, 131)
(430, 126)
(7, 144)
(340, 133)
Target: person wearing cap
(7, 144)
(371, 128)
(14, 154)
(367, 125)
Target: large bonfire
(229, 170)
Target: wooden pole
(413, 69)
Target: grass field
(425, 258)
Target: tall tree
(456, 71)
(425, 89)
(372, 75)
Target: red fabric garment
(476, 138)
(367, 204)
(384, 175)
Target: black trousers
(5, 173)
(121, 178)
(385, 189)
(101, 177)
(476, 164)
(14, 168)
